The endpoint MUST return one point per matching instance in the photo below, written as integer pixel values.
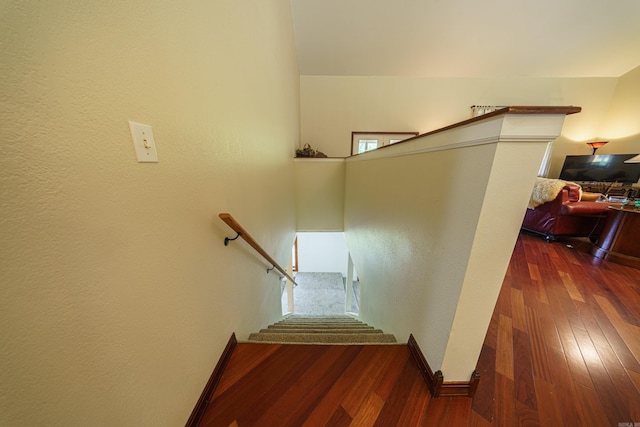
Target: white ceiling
(464, 38)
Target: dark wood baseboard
(214, 380)
(435, 380)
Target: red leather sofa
(567, 216)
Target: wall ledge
(509, 124)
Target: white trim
(541, 128)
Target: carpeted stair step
(322, 330)
(350, 339)
(358, 327)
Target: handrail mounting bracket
(229, 239)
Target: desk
(620, 239)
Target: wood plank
(613, 408)
(505, 412)
(380, 361)
(368, 412)
(476, 420)
(523, 370)
(570, 347)
(534, 272)
(244, 359)
(567, 280)
(416, 405)
(565, 389)
(548, 405)
(631, 340)
(635, 377)
(594, 414)
(525, 415)
(294, 404)
(484, 399)
(518, 318)
(622, 383)
(548, 327)
(343, 386)
(340, 418)
(277, 371)
(504, 351)
(390, 375)
(436, 412)
(395, 405)
(458, 412)
(616, 342)
(537, 346)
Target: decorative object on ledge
(479, 110)
(635, 159)
(307, 151)
(596, 145)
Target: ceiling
(464, 38)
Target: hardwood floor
(562, 349)
(318, 385)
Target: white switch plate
(143, 142)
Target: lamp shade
(597, 144)
(635, 159)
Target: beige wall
(319, 194)
(117, 295)
(620, 125)
(334, 106)
(431, 242)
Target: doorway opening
(327, 283)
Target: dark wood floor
(563, 349)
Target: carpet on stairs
(322, 330)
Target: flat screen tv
(601, 168)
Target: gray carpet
(321, 330)
(320, 294)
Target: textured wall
(319, 192)
(334, 106)
(117, 295)
(432, 243)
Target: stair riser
(319, 325)
(319, 331)
(322, 338)
(316, 330)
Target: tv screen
(601, 167)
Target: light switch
(143, 142)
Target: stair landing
(317, 385)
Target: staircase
(337, 330)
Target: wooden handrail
(235, 226)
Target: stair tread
(271, 330)
(323, 338)
(322, 325)
(321, 330)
